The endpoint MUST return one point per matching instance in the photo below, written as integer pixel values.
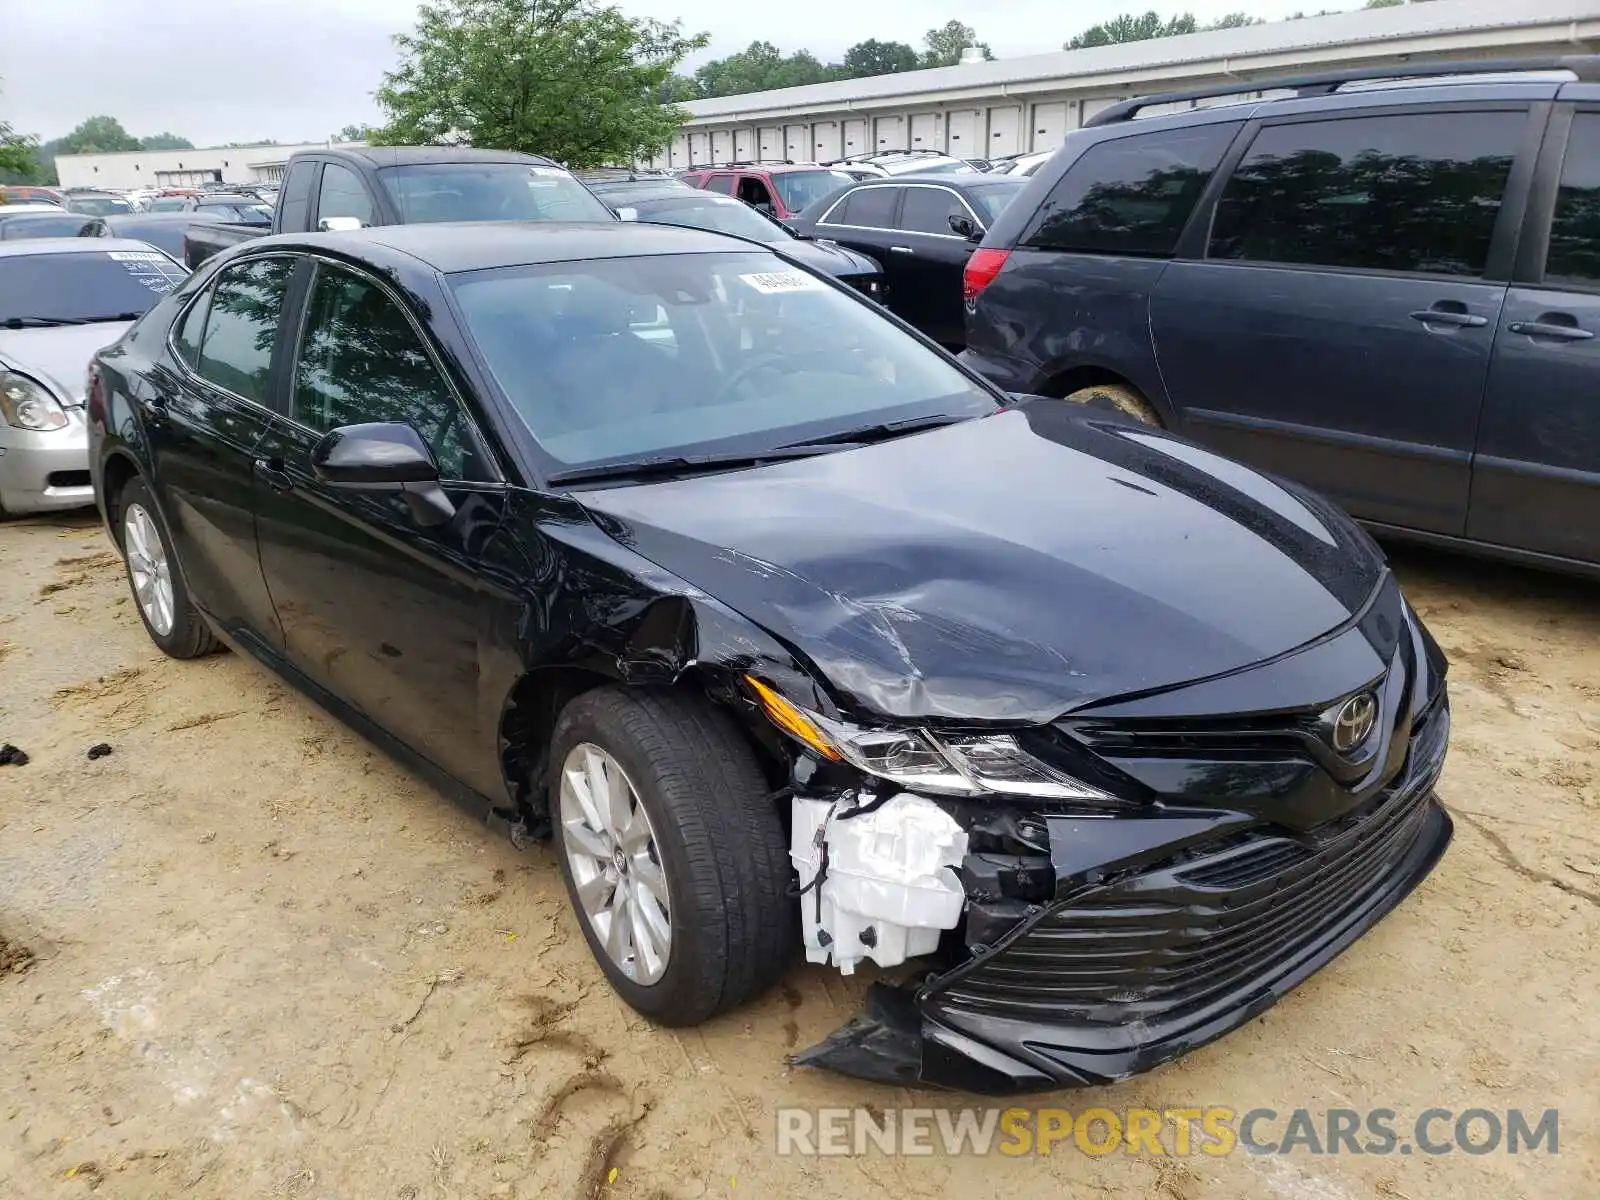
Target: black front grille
(1168, 942)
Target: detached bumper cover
(1120, 975)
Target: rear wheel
(1117, 397)
(170, 618)
(673, 855)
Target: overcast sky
(298, 70)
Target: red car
(780, 189)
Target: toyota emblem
(1354, 722)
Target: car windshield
(719, 214)
(95, 285)
(947, 166)
(489, 192)
(99, 206)
(43, 225)
(802, 188)
(697, 353)
(244, 212)
(992, 198)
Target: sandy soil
(250, 956)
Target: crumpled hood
(58, 356)
(1008, 568)
(828, 257)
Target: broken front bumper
(1179, 936)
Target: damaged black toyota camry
(789, 631)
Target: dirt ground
(247, 955)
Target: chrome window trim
(823, 219)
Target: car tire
(169, 616)
(1117, 397)
(716, 841)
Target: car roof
(482, 245)
(400, 156)
(975, 179)
(225, 198)
(74, 245)
(685, 195)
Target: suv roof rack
(1584, 67)
(750, 162)
(869, 155)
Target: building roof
(1373, 31)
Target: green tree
(873, 57)
(576, 80)
(945, 44)
(1235, 20)
(1128, 28)
(761, 67)
(165, 141)
(678, 89)
(353, 133)
(99, 135)
(18, 160)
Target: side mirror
(384, 457)
(964, 226)
(340, 224)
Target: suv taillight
(981, 269)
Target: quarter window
(1411, 192)
(342, 195)
(928, 210)
(361, 360)
(1130, 195)
(1574, 255)
(721, 183)
(242, 325)
(869, 207)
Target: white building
(178, 168)
(986, 109)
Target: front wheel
(673, 855)
(169, 616)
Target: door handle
(901, 250)
(1447, 316)
(273, 475)
(1546, 329)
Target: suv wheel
(1118, 397)
(170, 618)
(673, 855)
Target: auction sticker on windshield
(154, 270)
(772, 283)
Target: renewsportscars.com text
(1213, 1130)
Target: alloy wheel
(149, 567)
(615, 863)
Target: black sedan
(42, 225)
(922, 229)
(690, 207)
(789, 629)
(163, 229)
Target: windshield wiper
(684, 464)
(885, 430)
(41, 322)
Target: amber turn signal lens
(792, 720)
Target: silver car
(62, 299)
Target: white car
(61, 300)
(1024, 164)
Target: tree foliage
(18, 163)
(1130, 28)
(760, 67)
(873, 57)
(353, 133)
(165, 141)
(576, 80)
(99, 135)
(945, 44)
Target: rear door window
(1574, 254)
(721, 183)
(1403, 192)
(1131, 195)
(868, 207)
(242, 327)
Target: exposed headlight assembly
(25, 404)
(920, 762)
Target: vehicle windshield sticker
(155, 271)
(772, 283)
(135, 256)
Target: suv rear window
(1130, 195)
(1406, 192)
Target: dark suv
(1387, 288)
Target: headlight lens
(25, 404)
(918, 761)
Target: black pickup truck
(349, 187)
